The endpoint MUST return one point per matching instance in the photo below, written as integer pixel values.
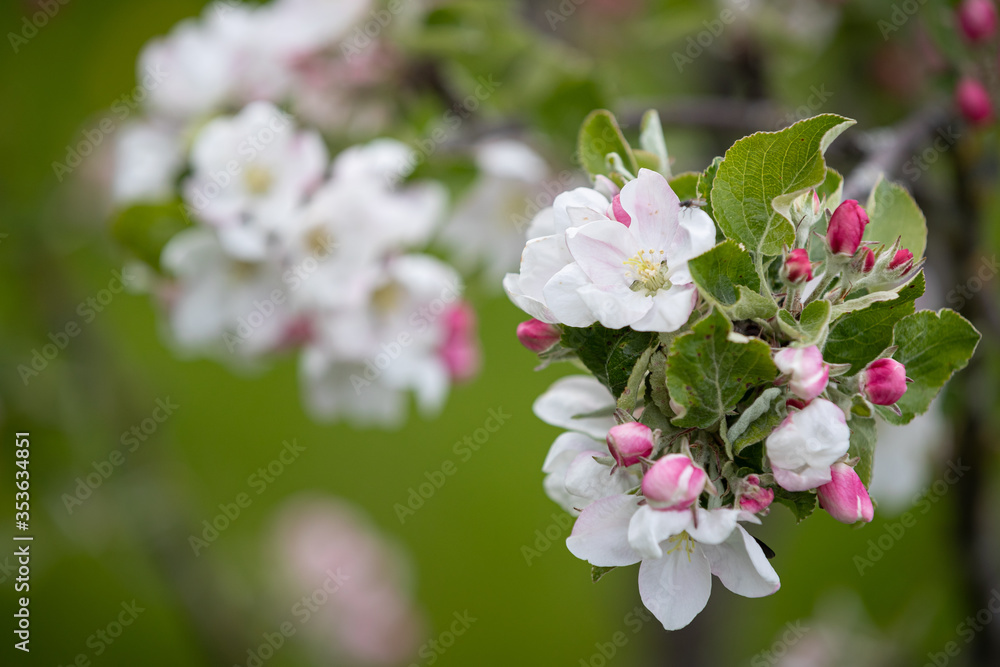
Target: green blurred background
(129, 540)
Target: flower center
(649, 269)
(387, 297)
(682, 541)
(258, 179)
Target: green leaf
(757, 421)
(802, 503)
(894, 214)
(145, 229)
(751, 305)
(708, 373)
(832, 188)
(633, 387)
(651, 140)
(600, 136)
(705, 182)
(863, 436)
(646, 160)
(658, 382)
(597, 573)
(685, 185)
(859, 337)
(761, 168)
(932, 346)
(861, 302)
(719, 272)
(610, 354)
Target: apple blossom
(637, 275)
(630, 442)
(753, 497)
(798, 268)
(846, 228)
(977, 19)
(673, 482)
(845, 496)
(974, 101)
(805, 445)
(679, 552)
(805, 366)
(538, 336)
(883, 382)
(902, 258)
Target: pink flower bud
(869, 261)
(977, 19)
(884, 381)
(798, 268)
(619, 212)
(809, 374)
(629, 442)
(460, 350)
(816, 204)
(845, 497)
(973, 101)
(538, 336)
(902, 257)
(846, 228)
(673, 483)
(753, 498)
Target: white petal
(533, 307)
(579, 403)
(590, 480)
(578, 198)
(600, 534)
(741, 566)
(653, 207)
(650, 527)
(699, 237)
(670, 309)
(713, 526)
(565, 449)
(563, 298)
(601, 249)
(676, 587)
(615, 307)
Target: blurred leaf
(863, 436)
(145, 229)
(757, 421)
(685, 185)
(802, 503)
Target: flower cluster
(276, 245)
(742, 342)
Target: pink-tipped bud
(869, 261)
(798, 268)
(845, 497)
(816, 203)
(460, 350)
(618, 211)
(974, 101)
(753, 498)
(884, 381)
(977, 19)
(673, 483)
(904, 258)
(629, 442)
(538, 336)
(846, 228)
(808, 373)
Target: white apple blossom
(679, 552)
(633, 273)
(250, 173)
(149, 157)
(217, 300)
(483, 230)
(806, 444)
(546, 252)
